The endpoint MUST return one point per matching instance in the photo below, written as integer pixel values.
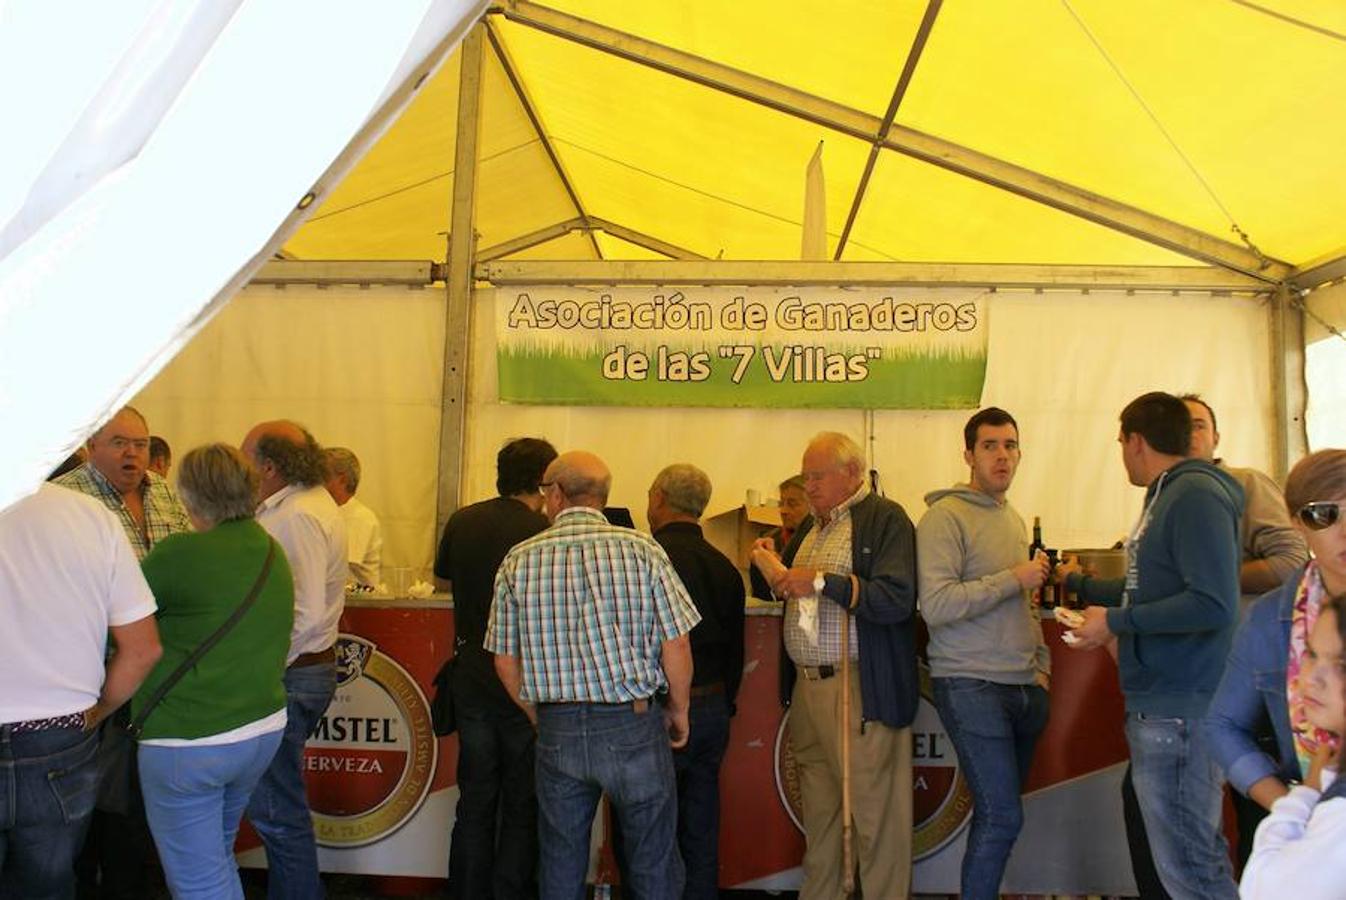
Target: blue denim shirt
(1252, 692)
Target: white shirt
(1298, 849)
(364, 541)
(306, 523)
(67, 573)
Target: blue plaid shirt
(164, 513)
(586, 606)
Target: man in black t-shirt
(677, 499)
(494, 848)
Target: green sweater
(198, 581)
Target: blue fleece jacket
(1177, 608)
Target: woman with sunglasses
(1297, 851)
(1261, 696)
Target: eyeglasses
(1321, 514)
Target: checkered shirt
(586, 607)
(164, 512)
(826, 548)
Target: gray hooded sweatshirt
(981, 623)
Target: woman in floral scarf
(1263, 681)
(1297, 852)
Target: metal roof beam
(511, 73)
(878, 274)
(532, 239)
(641, 239)
(347, 271)
(936, 151)
(1319, 272)
(903, 82)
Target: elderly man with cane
(849, 583)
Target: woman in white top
(1298, 851)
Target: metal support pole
(458, 284)
(1289, 394)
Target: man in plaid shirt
(117, 475)
(852, 565)
(589, 627)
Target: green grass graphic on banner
(931, 378)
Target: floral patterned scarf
(1308, 600)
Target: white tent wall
(362, 368)
(1325, 367)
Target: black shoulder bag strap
(137, 725)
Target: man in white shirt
(299, 513)
(67, 577)
(364, 539)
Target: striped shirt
(826, 548)
(164, 513)
(586, 607)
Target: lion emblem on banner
(352, 654)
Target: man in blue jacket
(1173, 615)
(851, 565)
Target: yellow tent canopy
(1074, 132)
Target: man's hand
(675, 721)
(1043, 680)
(1069, 565)
(94, 716)
(1094, 632)
(795, 583)
(766, 545)
(1032, 574)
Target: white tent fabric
(369, 377)
(159, 166)
(1325, 367)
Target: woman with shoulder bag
(211, 714)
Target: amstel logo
(369, 763)
(942, 802)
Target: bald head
(577, 478)
(284, 452)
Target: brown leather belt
(818, 673)
(707, 690)
(312, 659)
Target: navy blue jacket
(1252, 693)
(1182, 590)
(883, 558)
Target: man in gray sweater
(988, 662)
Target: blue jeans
(994, 728)
(194, 798)
(494, 848)
(48, 782)
(279, 806)
(584, 750)
(1180, 791)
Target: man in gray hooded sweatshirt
(988, 662)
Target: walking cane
(847, 864)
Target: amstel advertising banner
(862, 347)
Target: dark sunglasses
(1321, 514)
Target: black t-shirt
(475, 542)
(716, 587)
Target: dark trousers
(494, 848)
(697, 768)
(118, 856)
